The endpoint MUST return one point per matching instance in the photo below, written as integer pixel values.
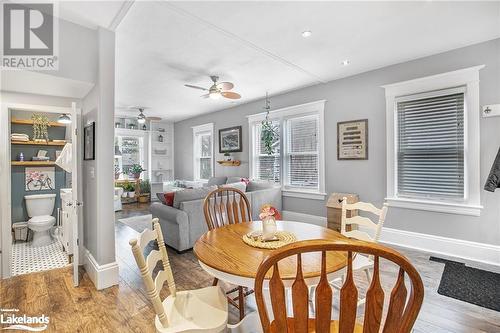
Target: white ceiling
(91, 14)
(259, 47)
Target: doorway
(41, 218)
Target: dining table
(222, 253)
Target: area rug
(138, 223)
(469, 284)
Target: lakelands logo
(15, 321)
(29, 36)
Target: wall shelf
(230, 163)
(30, 122)
(33, 163)
(36, 143)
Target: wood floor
(125, 308)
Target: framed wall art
(40, 178)
(352, 140)
(89, 142)
(230, 140)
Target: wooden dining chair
(225, 206)
(350, 228)
(200, 310)
(401, 314)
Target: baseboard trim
(103, 276)
(479, 252)
(473, 251)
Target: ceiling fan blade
(154, 118)
(231, 95)
(205, 96)
(194, 87)
(225, 85)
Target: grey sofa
(184, 223)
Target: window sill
(303, 194)
(435, 206)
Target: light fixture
(345, 62)
(306, 33)
(64, 119)
(141, 118)
(214, 94)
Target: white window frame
(468, 78)
(197, 130)
(282, 115)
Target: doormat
(138, 223)
(469, 284)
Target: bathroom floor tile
(29, 259)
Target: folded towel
(37, 158)
(19, 134)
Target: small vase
(268, 228)
(137, 175)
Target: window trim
(312, 108)
(469, 78)
(209, 127)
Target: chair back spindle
(401, 314)
(147, 265)
(225, 206)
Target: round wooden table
(223, 254)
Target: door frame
(5, 177)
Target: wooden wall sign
(352, 140)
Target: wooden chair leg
(241, 301)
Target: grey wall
(359, 97)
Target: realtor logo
(29, 36)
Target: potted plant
(145, 191)
(227, 156)
(136, 170)
(129, 189)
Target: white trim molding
(103, 276)
(478, 252)
(468, 78)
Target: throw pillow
(161, 197)
(169, 198)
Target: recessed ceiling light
(306, 33)
(345, 62)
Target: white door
(76, 196)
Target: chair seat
(361, 262)
(334, 326)
(195, 310)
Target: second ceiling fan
(218, 89)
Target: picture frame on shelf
(89, 142)
(230, 140)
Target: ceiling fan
(141, 117)
(218, 89)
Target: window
(430, 160)
(203, 151)
(297, 162)
(433, 143)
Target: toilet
(40, 208)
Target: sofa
(184, 222)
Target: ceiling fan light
(214, 95)
(141, 120)
(64, 119)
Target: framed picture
(40, 178)
(352, 140)
(230, 140)
(89, 142)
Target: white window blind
(430, 149)
(302, 152)
(267, 167)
